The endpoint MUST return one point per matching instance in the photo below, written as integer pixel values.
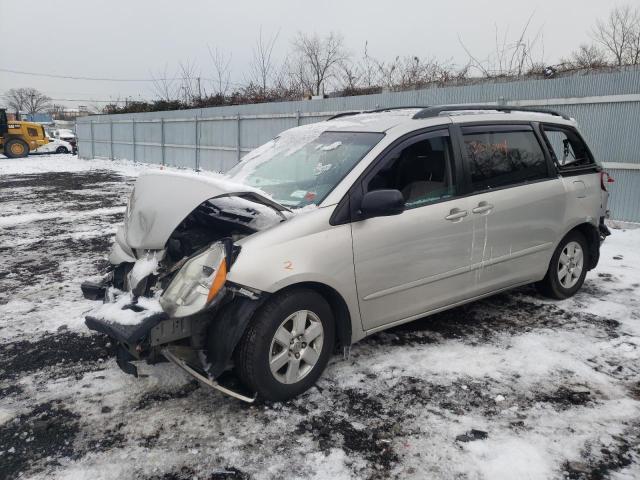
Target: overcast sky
(138, 38)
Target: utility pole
(199, 91)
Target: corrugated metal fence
(607, 106)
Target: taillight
(604, 179)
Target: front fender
(303, 249)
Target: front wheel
(287, 345)
(567, 269)
(16, 148)
(62, 150)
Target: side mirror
(382, 203)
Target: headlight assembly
(197, 283)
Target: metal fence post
(239, 147)
(133, 137)
(111, 139)
(297, 118)
(92, 147)
(195, 122)
(162, 139)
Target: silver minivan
(336, 230)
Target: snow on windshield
(302, 165)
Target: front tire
(287, 345)
(567, 269)
(62, 150)
(16, 148)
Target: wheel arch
(338, 306)
(591, 234)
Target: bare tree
(388, 72)
(368, 67)
(619, 34)
(587, 56)
(511, 57)
(16, 100)
(318, 59)
(190, 86)
(262, 66)
(221, 70)
(164, 86)
(27, 99)
(349, 76)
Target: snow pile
(262, 216)
(124, 310)
(144, 267)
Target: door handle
(456, 214)
(483, 207)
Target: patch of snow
(6, 415)
(13, 220)
(145, 266)
(510, 458)
(116, 312)
(328, 148)
(263, 216)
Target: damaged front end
(166, 294)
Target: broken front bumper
(131, 339)
(211, 335)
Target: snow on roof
(371, 121)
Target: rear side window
(499, 156)
(566, 147)
(32, 132)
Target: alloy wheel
(570, 264)
(296, 346)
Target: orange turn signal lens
(218, 281)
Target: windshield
(300, 168)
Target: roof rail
(438, 109)
(376, 110)
(344, 114)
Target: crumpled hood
(162, 200)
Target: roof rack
(376, 110)
(434, 111)
(344, 114)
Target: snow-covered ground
(510, 387)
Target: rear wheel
(16, 148)
(62, 150)
(568, 268)
(287, 345)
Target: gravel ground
(513, 386)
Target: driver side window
(422, 171)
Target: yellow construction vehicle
(18, 138)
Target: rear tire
(567, 269)
(287, 345)
(16, 148)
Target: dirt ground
(513, 386)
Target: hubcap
(17, 149)
(296, 346)
(570, 264)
